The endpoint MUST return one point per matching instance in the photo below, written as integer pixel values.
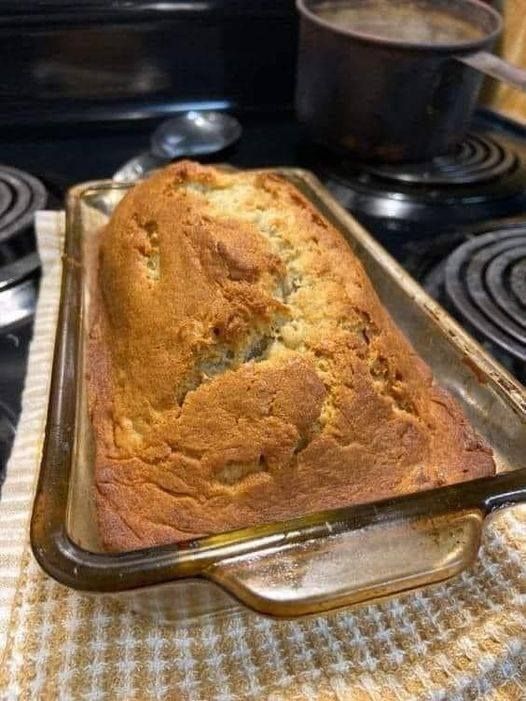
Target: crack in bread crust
(243, 370)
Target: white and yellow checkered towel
(465, 639)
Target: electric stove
(457, 223)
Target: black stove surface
(420, 213)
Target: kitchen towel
(465, 639)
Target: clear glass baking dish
(303, 566)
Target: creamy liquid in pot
(400, 22)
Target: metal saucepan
(393, 80)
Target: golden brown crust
(242, 369)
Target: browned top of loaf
(244, 371)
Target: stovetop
(457, 224)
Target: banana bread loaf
(242, 370)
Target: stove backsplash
(68, 61)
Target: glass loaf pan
(304, 566)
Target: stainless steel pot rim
(456, 47)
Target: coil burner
(478, 159)
(481, 180)
(485, 284)
(21, 195)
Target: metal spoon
(189, 134)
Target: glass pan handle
(354, 566)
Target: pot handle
(495, 67)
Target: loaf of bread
(242, 370)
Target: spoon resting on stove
(190, 134)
